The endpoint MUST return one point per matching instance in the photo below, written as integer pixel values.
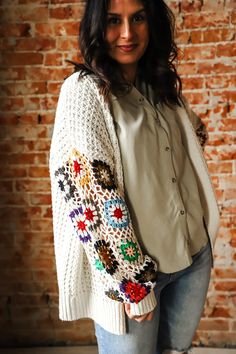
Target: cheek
(110, 36)
(145, 34)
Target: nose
(126, 30)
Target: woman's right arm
(84, 175)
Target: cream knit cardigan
(99, 262)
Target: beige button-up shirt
(160, 185)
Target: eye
(113, 20)
(139, 18)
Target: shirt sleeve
(85, 177)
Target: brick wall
(36, 36)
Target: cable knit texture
(99, 262)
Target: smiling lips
(127, 48)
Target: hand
(147, 316)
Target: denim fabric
(180, 301)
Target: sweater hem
(109, 314)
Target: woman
(134, 211)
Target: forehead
(125, 5)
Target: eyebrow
(118, 15)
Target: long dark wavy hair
(156, 67)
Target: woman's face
(127, 32)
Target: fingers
(149, 316)
(146, 316)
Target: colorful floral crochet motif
(103, 175)
(106, 256)
(65, 183)
(86, 218)
(114, 295)
(133, 291)
(130, 251)
(116, 213)
(80, 169)
(202, 134)
(147, 274)
(99, 265)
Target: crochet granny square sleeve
(83, 177)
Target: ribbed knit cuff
(144, 306)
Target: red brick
(195, 97)
(196, 36)
(220, 167)
(215, 5)
(40, 199)
(225, 153)
(32, 186)
(32, 103)
(26, 131)
(233, 17)
(53, 59)
(12, 73)
(213, 325)
(199, 52)
(220, 312)
(225, 273)
(44, 29)
(35, 237)
(35, 44)
(228, 125)
(188, 68)
(18, 59)
(38, 172)
(226, 50)
(15, 29)
(49, 102)
(66, 29)
(190, 6)
(11, 104)
(67, 44)
(43, 2)
(192, 83)
(13, 199)
(221, 81)
(26, 159)
(11, 89)
(26, 13)
(215, 19)
(41, 225)
(6, 186)
(61, 13)
(215, 68)
(47, 213)
(56, 2)
(13, 172)
(43, 73)
(221, 138)
(20, 212)
(54, 88)
(223, 34)
(226, 286)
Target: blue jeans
(180, 301)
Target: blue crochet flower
(116, 213)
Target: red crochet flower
(134, 292)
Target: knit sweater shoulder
(99, 262)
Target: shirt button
(167, 148)
(141, 99)
(173, 180)
(182, 212)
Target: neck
(129, 72)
